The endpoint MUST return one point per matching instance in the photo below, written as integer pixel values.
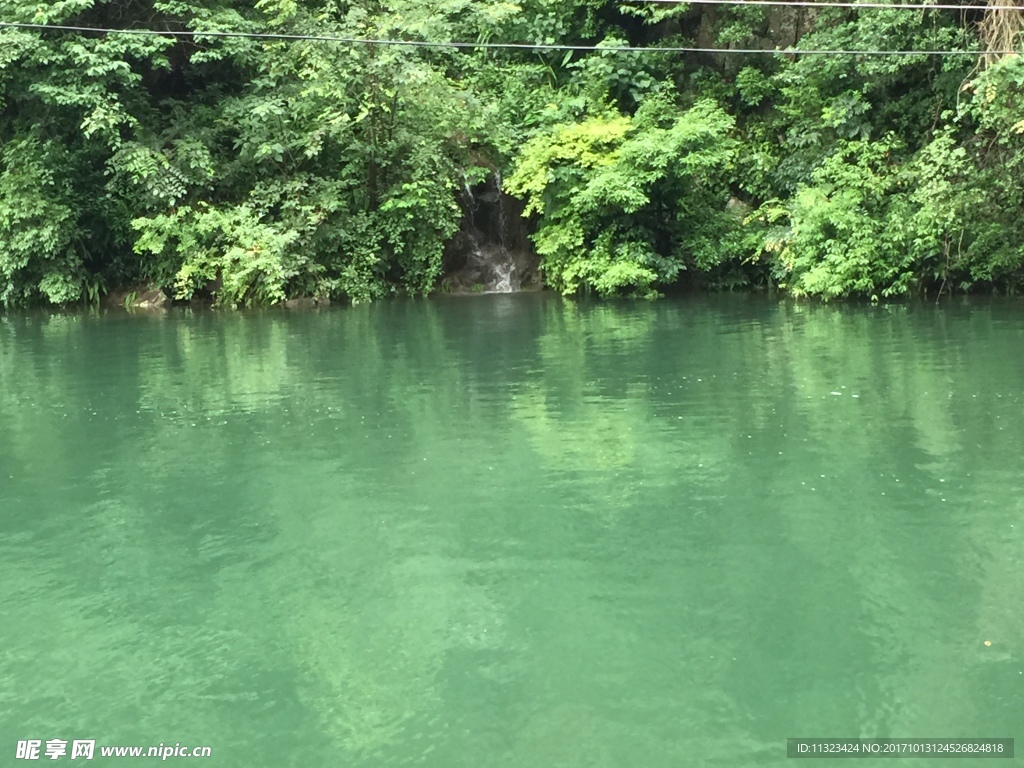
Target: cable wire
(194, 34)
(838, 4)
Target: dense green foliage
(251, 171)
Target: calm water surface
(512, 531)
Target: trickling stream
(494, 260)
(502, 262)
(496, 267)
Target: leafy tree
(251, 171)
(626, 203)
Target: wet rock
(492, 252)
(737, 208)
(154, 299)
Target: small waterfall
(493, 265)
(471, 204)
(494, 257)
(505, 273)
(502, 262)
(490, 254)
(502, 226)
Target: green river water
(512, 531)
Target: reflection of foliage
(369, 674)
(314, 494)
(590, 417)
(598, 438)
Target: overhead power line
(837, 4)
(484, 46)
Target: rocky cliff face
(492, 250)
